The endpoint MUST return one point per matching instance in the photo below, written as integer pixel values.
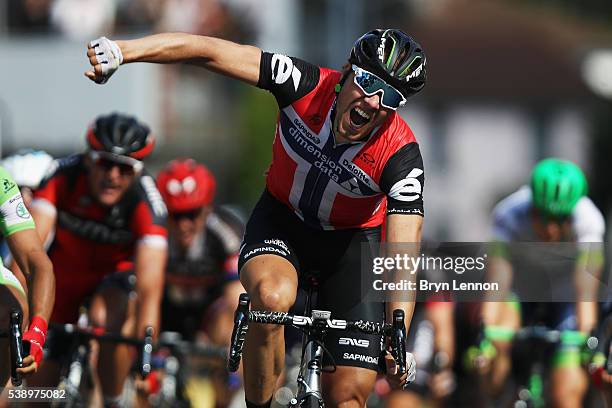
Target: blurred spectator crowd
(86, 19)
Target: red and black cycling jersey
(91, 240)
(196, 278)
(329, 185)
(211, 260)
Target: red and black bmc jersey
(329, 185)
(92, 241)
(211, 260)
(195, 279)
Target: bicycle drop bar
(145, 344)
(241, 325)
(16, 347)
(398, 340)
(289, 319)
(147, 349)
(609, 364)
(396, 331)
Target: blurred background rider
(202, 285)
(110, 240)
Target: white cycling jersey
(512, 220)
(7, 278)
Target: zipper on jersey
(316, 183)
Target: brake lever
(241, 325)
(147, 349)
(16, 347)
(398, 341)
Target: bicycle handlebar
(609, 363)
(147, 349)
(145, 344)
(396, 330)
(398, 340)
(16, 347)
(241, 325)
(552, 336)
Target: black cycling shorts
(335, 257)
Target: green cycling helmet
(556, 187)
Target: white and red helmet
(186, 185)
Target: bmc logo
(283, 69)
(409, 188)
(347, 341)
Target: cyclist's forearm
(442, 320)
(222, 56)
(31, 262)
(586, 316)
(149, 268)
(499, 270)
(403, 238)
(586, 279)
(42, 286)
(147, 309)
(148, 306)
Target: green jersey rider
(553, 209)
(33, 293)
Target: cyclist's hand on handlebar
(442, 383)
(478, 358)
(606, 379)
(35, 338)
(149, 385)
(397, 380)
(597, 370)
(105, 57)
(30, 366)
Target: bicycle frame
(311, 367)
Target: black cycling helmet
(121, 135)
(394, 56)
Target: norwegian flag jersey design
(329, 185)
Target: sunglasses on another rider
(557, 219)
(190, 215)
(106, 161)
(370, 84)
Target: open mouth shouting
(359, 117)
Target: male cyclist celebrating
(109, 220)
(343, 159)
(18, 227)
(554, 208)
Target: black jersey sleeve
(402, 180)
(287, 78)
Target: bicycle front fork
(309, 379)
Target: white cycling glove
(410, 368)
(108, 55)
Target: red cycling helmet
(186, 185)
